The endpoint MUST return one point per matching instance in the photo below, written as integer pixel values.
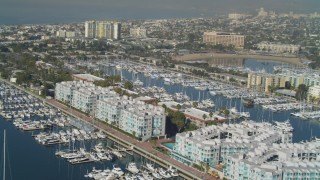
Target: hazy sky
(53, 11)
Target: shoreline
(208, 56)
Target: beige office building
(223, 38)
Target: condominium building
(276, 162)
(223, 38)
(143, 120)
(109, 110)
(90, 29)
(131, 115)
(85, 99)
(278, 48)
(138, 32)
(314, 92)
(64, 91)
(102, 30)
(213, 143)
(65, 34)
(263, 81)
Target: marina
(73, 151)
(60, 132)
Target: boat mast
(4, 155)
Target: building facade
(213, 143)
(103, 30)
(278, 48)
(225, 39)
(283, 161)
(131, 115)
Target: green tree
(128, 85)
(204, 116)
(195, 104)
(302, 92)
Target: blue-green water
(28, 160)
(262, 65)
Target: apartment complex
(131, 115)
(138, 32)
(65, 34)
(262, 81)
(102, 30)
(314, 92)
(223, 38)
(278, 48)
(276, 162)
(213, 144)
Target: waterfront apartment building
(109, 110)
(223, 38)
(133, 116)
(276, 162)
(212, 144)
(143, 120)
(103, 30)
(264, 81)
(130, 115)
(138, 32)
(314, 93)
(85, 99)
(278, 48)
(261, 81)
(64, 90)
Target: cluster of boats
(285, 107)
(307, 114)
(67, 136)
(269, 100)
(149, 172)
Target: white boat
(138, 83)
(173, 172)
(156, 175)
(163, 173)
(150, 167)
(146, 175)
(117, 170)
(132, 167)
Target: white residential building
(85, 99)
(143, 120)
(276, 162)
(64, 90)
(131, 115)
(213, 143)
(278, 48)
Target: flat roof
(87, 77)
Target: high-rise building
(223, 38)
(102, 29)
(90, 29)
